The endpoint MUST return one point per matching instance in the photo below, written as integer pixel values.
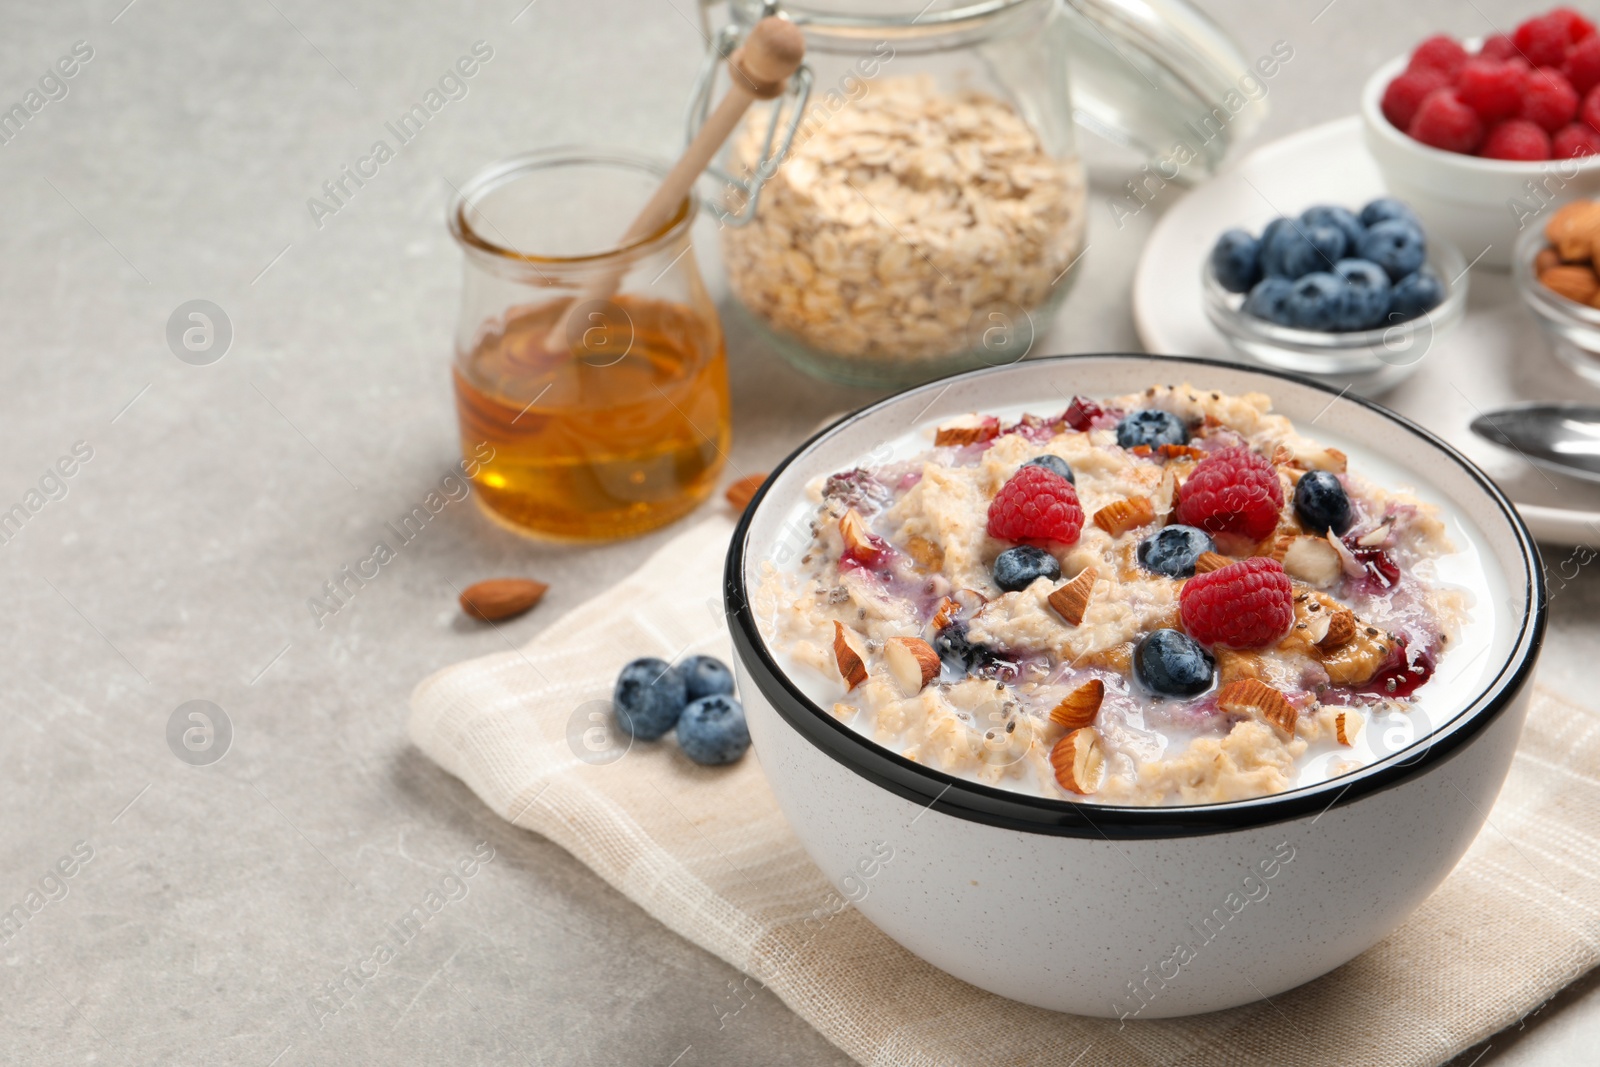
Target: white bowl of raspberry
(1071, 900)
(1481, 141)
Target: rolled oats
(903, 219)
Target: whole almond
(1575, 283)
(501, 598)
(1547, 258)
(741, 492)
(1572, 229)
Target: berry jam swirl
(1171, 597)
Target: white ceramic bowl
(1081, 907)
(1479, 205)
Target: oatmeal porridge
(1169, 597)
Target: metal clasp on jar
(719, 47)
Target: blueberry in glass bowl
(1347, 295)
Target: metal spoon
(1563, 437)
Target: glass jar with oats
(917, 205)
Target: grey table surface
(220, 901)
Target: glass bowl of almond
(1555, 270)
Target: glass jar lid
(1155, 75)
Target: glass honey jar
(590, 377)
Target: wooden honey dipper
(758, 70)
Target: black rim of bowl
(1015, 810)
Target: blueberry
(649, 697)
(1153, 427)
(1017, 568)
(703, 676)
(1173, 664)
(1321, 503)
(1269, 300)
(1053, 463)
(1173, 550)
(1413, 295)
(1385, 208)
(959, 654)
(1271, 230)
(1366, 297)
(713, 731)
(1236, 261)
(1342, 219)
(1317, 301)
(1298, 250)
(1395, 245)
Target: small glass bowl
(1573, 329)
(1368, 362)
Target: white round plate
(1497, 356)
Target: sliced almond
(1340, 632)
(1316, 625)
(1250, 696)
(846, 653)
(1347, 725)
(969, 600)
(1079, 761)
(1166, 493)
(741, 492)
(1182, 452)
(1129, 513)
(1234, 664)
(945, 613)
(858, 542)
(1312, 560)
(1210, 561)
(1079, 707)
(501, 598)
(1374, 537)
(968, 430)
(1072, 599)
(1276, 545)
(912, 662)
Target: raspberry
(1037, 504)
(1543, 40)
(1444, 122)
(1548, 99)
(1578, 27)
(1578, 139)
(1498, 47)
(1232, 491)
(1407, 92)
(1515, 139)
(1582, 66)
(1248, 604)
(1590, 111)
(1493, 90)
(1440, 52)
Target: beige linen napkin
(707, 852)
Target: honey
(623, 433)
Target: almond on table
(501, 598)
